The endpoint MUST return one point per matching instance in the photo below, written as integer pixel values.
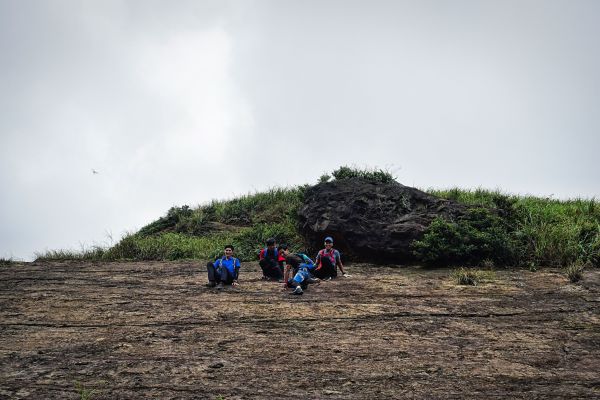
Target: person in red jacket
(269, 262)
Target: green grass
(372, 175)
(521, 231)
(575, 272)
(473, 277)
(481, 235)
(202, 232)
(174, 246)
(6, 261)
(560, 233)
(498, 230)
(95, 253)
(276, 205)
(83, 392)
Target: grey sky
(182, 102)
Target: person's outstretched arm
(338, 261)
(318, 261)
(286, 273)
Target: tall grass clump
(83, 392)
(473, 277)
(575, 272)
(6, 261)
(167, 246)
(174, 246)
(372, 175)
(560, 233)
(514, 231)
(93, 253)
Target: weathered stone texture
(370, 221)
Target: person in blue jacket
(224, 270)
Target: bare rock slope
(153, 331)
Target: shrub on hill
(6, 261)
(480, 235)
(499, 228)
(169, 222)
(372, 175)
(515, 231)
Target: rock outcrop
(370, 221)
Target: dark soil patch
(152, 330)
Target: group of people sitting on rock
(295, 270)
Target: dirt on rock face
(153, 331)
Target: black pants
(327, 270)
(271, 268)
(224, 276)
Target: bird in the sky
(94, 171)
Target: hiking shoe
(211, 284)
(311, 280)
(298, 290)
(220, 286)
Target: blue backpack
(306, 260)
(265, 253)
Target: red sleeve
(261, 255)
(318, 259)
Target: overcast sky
(181, 102)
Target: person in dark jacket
(269, 262)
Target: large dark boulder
(370, 221)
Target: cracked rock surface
(371, 221)
(152, 330)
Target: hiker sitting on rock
(269, 262)
(299, 266)
(327, 262)
(224, 271)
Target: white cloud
(182, 103)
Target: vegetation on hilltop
(514, 230)
(201, 233)
(374, 175)
(6, 261)
(498, 229)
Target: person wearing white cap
(327, 262)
